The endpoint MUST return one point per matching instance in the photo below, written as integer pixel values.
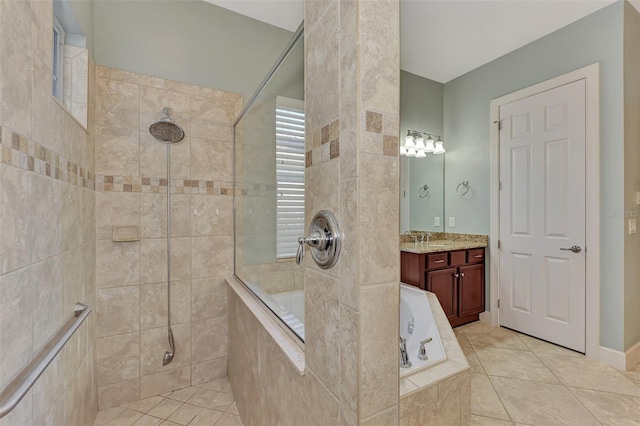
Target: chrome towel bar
(19, 385)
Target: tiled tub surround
(131, 276)
(47, 240)
(441, 394)
(441, 241)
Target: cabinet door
(471, 291)
(412, 269)
(443, 284)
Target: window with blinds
(290, 161)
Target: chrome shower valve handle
(324, 239)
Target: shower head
(166, 130)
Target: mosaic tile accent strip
(381, 133)
(108, 183)
(325, 144)
(26, 154)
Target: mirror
(422, 179)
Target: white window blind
(290, 163)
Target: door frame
(590, 74)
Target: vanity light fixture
(415, 144)
(439, 148)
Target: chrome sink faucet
(404, 356)
(428, 235)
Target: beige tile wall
(351, 324)
(131, 277)
(47, 243)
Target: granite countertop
(442, 241)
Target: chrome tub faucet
(404, 356)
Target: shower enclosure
(269, 188)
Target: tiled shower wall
(131, 276)
(47, 245)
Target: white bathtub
(415, 310)
(288, 305)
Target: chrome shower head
(165, 129)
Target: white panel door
(542, 214)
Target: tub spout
(404, 356)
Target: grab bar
(13, 392)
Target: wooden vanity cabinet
(456, 277)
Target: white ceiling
(444, 39)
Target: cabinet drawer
(437, 260)
(457, 258)
(475, 256)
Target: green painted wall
(595, 38)
(186, 40)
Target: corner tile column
(352, 99)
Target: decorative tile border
(325, 144)
(109, 183)
(31, 156)
(381, 134)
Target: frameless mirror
(422, 179)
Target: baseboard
(485, 317)
(632, 355)
(612, 357)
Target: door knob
(575, 249)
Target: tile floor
(206, 405)
(516, 379)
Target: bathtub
(416, 324)
(288, 305)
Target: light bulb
(429, 147)
(420, 144)
(408, 142)
(420, 154)
(403, 150)
(439, 149)
(411, 152)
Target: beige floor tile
(610, 408)
(472, 359)
(484, 399)
(229, 420)
(541, 347)
(168, 423)
(148, 421)
(206, 417)
(514, 364)
(633, 374)
(233, 409)
(185, 414)
(183, 394)
(203, 398)
(487, 421)
(144, 405)
(165, 409)
(538, 403)
(104, 416)
(126, 417)
(480, 334)
(221, 402)
(588, 374)
(216, 385)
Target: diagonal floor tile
(125, 418)
(183, 394)
(165, 408)
(610, 408)
(144, 405)
(203, 398)
(480, 334)
(514, 364)
(229, 420)
(487, 421)
(185, 414)
(538, 403)
(588, 374)
(107, 414)
(472, 359)
(541, 347)
(206, 417)
(148, 421)
(484, 399)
